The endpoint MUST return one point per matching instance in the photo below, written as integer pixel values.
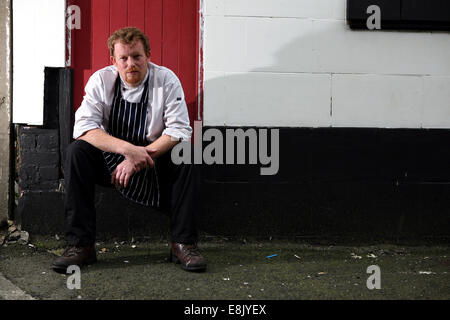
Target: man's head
(130, 51)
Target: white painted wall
(38, 41)
(297, 63)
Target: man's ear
(113, 60)
(148, 55)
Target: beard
(133, 76)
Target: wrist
(125, 148)
(151, 150)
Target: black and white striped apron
(127, 121)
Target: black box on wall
(420, 15)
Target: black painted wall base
(42, 212)
(360, 184)
(351, 210)
(357, 211)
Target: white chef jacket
(166, 110)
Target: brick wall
(38, 158)
(40, 154)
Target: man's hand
(136, 159)
(122, 174)
(139, 157)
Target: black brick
(25, 184)
(34, 130)
(49, 173)
(28, 173)
(40, 158)
(38, 185)
(27, 141)
(46, 185)
(28, 177)
(48, 141)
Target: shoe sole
(174, 259)
(63, 269)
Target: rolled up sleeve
(176, 116)
(90, 114)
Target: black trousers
(85, 167)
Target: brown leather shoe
(188, 255)
(73, 255)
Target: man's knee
(79, 150)
(78, 146)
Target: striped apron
(127, 121)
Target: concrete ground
(275, 270)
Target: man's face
(131, 61)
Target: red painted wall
(171, 25)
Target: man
(132, 115)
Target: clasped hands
(136, 159)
